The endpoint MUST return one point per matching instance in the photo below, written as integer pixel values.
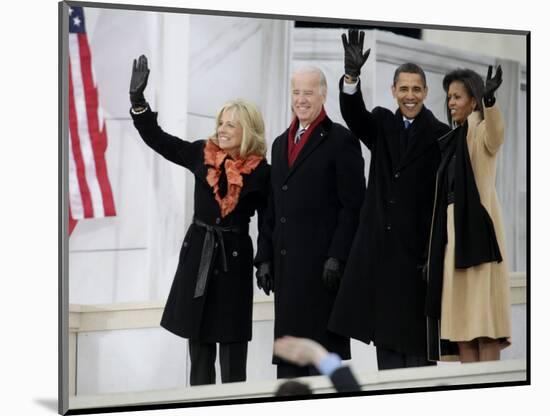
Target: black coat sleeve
(343, 380)
(172, 148)
(358, 119)
(350, 182)
(265, 224)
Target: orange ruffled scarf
(234, 169)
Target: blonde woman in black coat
(210, 300)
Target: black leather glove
(138, 82)
(264, 277)
(332, 273)
(354, 58)
(491, 85)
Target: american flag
(90, 194)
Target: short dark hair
(473, 83)
(409, 68)
(293, 388)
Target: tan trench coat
(476, 301)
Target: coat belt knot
(214, 234)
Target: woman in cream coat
(468, 305)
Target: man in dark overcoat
(382, 293)
(317, 187)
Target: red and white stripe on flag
(90, 194)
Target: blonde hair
(250, 118)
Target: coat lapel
(419, 141)
(317, 137)
(282, 155)
(393, 144)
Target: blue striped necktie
(298, 136)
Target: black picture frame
(63, 212)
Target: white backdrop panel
(225, 62)
(130, 360)
(108, 276)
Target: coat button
(216, 271)
(388, 227)
(392, 201)
(283, 252)
(397, 174)
(234, 254)
(218, 220)
(185, 243)
(284, 188)
(283, 220)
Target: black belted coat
(313, 215)
(224, 312)
(382, 294)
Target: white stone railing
(85, 318)
(122, 316)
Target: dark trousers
(203, 357)
(288, 370)
(388, 359)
